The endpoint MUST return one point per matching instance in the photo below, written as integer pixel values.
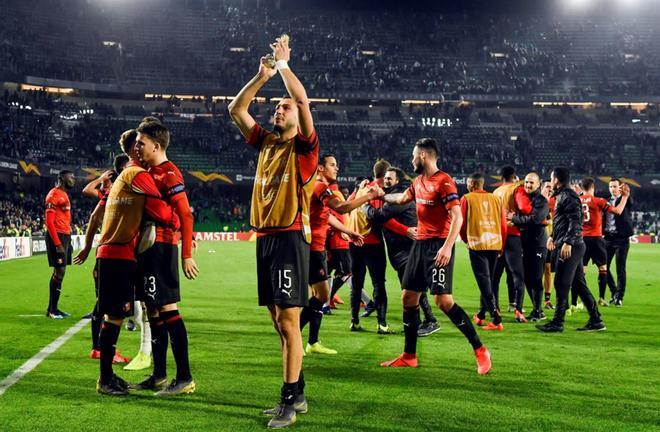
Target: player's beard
(279, 129)
(418, 168)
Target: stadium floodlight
(577, 5)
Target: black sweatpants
(372, 257)
(569, 273)
(483, 266)
(534, 264)
(512, 261)
(617, 248)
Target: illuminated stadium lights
(237, 49)
(169, 96)
(576, 104)
(577, 5)
(368, 53)
(59, 90)
(637, 106)
(419, 102)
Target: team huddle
(307, 230)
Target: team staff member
(546, 191)
(618, 229)
(431, 262)
(158, 265)
(281, 197)
(484, 232)
(58, 240)
(371, 255)
(567, 239)
(398, 246)
(534, 239)
(132, 194)
(513, 199)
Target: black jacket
(398, 247)
(567, 217)
(532, 226)
(623, 222)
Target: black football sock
(55, 291)
(337, 283)
(97, 319)
(410, 328)
(179, 340)
(301, 383)
(315, 318)
(426, 308)
(108, 342)
(602, 283)
(159, 343)
(460, 319)
(547, 296)
(289, 393)
(305, 316)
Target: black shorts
(596, 251)
(157, 281)
(116, 286)
(340, 262)
(56, 259)
(283, 269)
(318, 267)
(421, 271)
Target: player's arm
(95, 220)
(398, 198)
(625, 194)
(238, 108)
(463, 232)
(182, 209)
(154, 205)
(91, 188)
(443, 256)
(50, 223)
(339, 226)
(294, 87)
(349, 205)
(537, 216)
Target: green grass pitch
(568, 382)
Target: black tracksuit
(617, 241)
(398, 247)
(534, 239)
(567, 229)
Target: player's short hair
(587, 183)
(428, 145)
(508, 173)
(127, 140)
(380, 168)
(562, 174)
(156, 131)
(477, 179)
(119, 162)
(324, 159)
(400, 174)
(62, 173)
(616, 179)
(151, 119)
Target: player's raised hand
(190, 269)
(375, 192)
(265, 70)
(443, 256)
(281, 49)
(625, 190)
(577, 188)
(82, 256)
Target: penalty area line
(32, 363)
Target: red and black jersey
(592, 209)
(434, 196)
(58, 214)
(319, 213)
(335, 239)
(171, 186)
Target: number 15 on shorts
(438, 276)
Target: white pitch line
(26, 367)
(31, 316)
